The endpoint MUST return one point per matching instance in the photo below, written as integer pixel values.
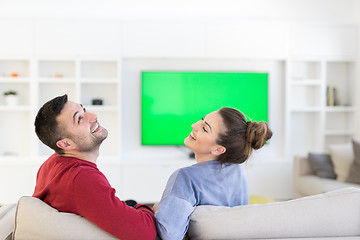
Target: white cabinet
(93, 82)
(311, 122)
(44, 58)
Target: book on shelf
(331, 96)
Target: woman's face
(202, 139)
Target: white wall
(298, 10)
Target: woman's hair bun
(241, 136)
(257, 134)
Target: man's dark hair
(46, 126)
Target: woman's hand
(156, 207)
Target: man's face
(81, 127)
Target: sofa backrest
(335, 213)
(37, 220)
(330, 214)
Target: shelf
(305, 96)
(305, 70)
(99, 69)
(57, 69)
(340, 109)
(94, 108)
(15, 126)
(14, 79)
(48, 91)
(15, 108)
(107, 92)
(339, 132)
(19, 67)
(56, 80)
(305, 109)
(337, 139)
(306, 82)
(97, 80)
(341, 75)
(20, 161)
(311, 124)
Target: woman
(221, 142)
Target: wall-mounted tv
(172, 101)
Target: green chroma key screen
(172, 101)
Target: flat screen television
(172, 101)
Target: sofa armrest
(7, 220)
(301, 167)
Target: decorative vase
(11, 100)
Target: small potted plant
(11, 98)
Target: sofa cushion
(7, 220)
(321, 215)
(37, 220)
(342, 157)
(322, 165)
(354, 173)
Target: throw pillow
(322, 165)
(342, 157)
(354, 174)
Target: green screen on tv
(172, 101)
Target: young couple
(70, 181)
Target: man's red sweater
(77, 186)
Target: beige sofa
(332, 215)
(322, 172)
(306, 182)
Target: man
(70, 181)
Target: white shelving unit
(39, 80)
(83, 57)
(312, 125)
